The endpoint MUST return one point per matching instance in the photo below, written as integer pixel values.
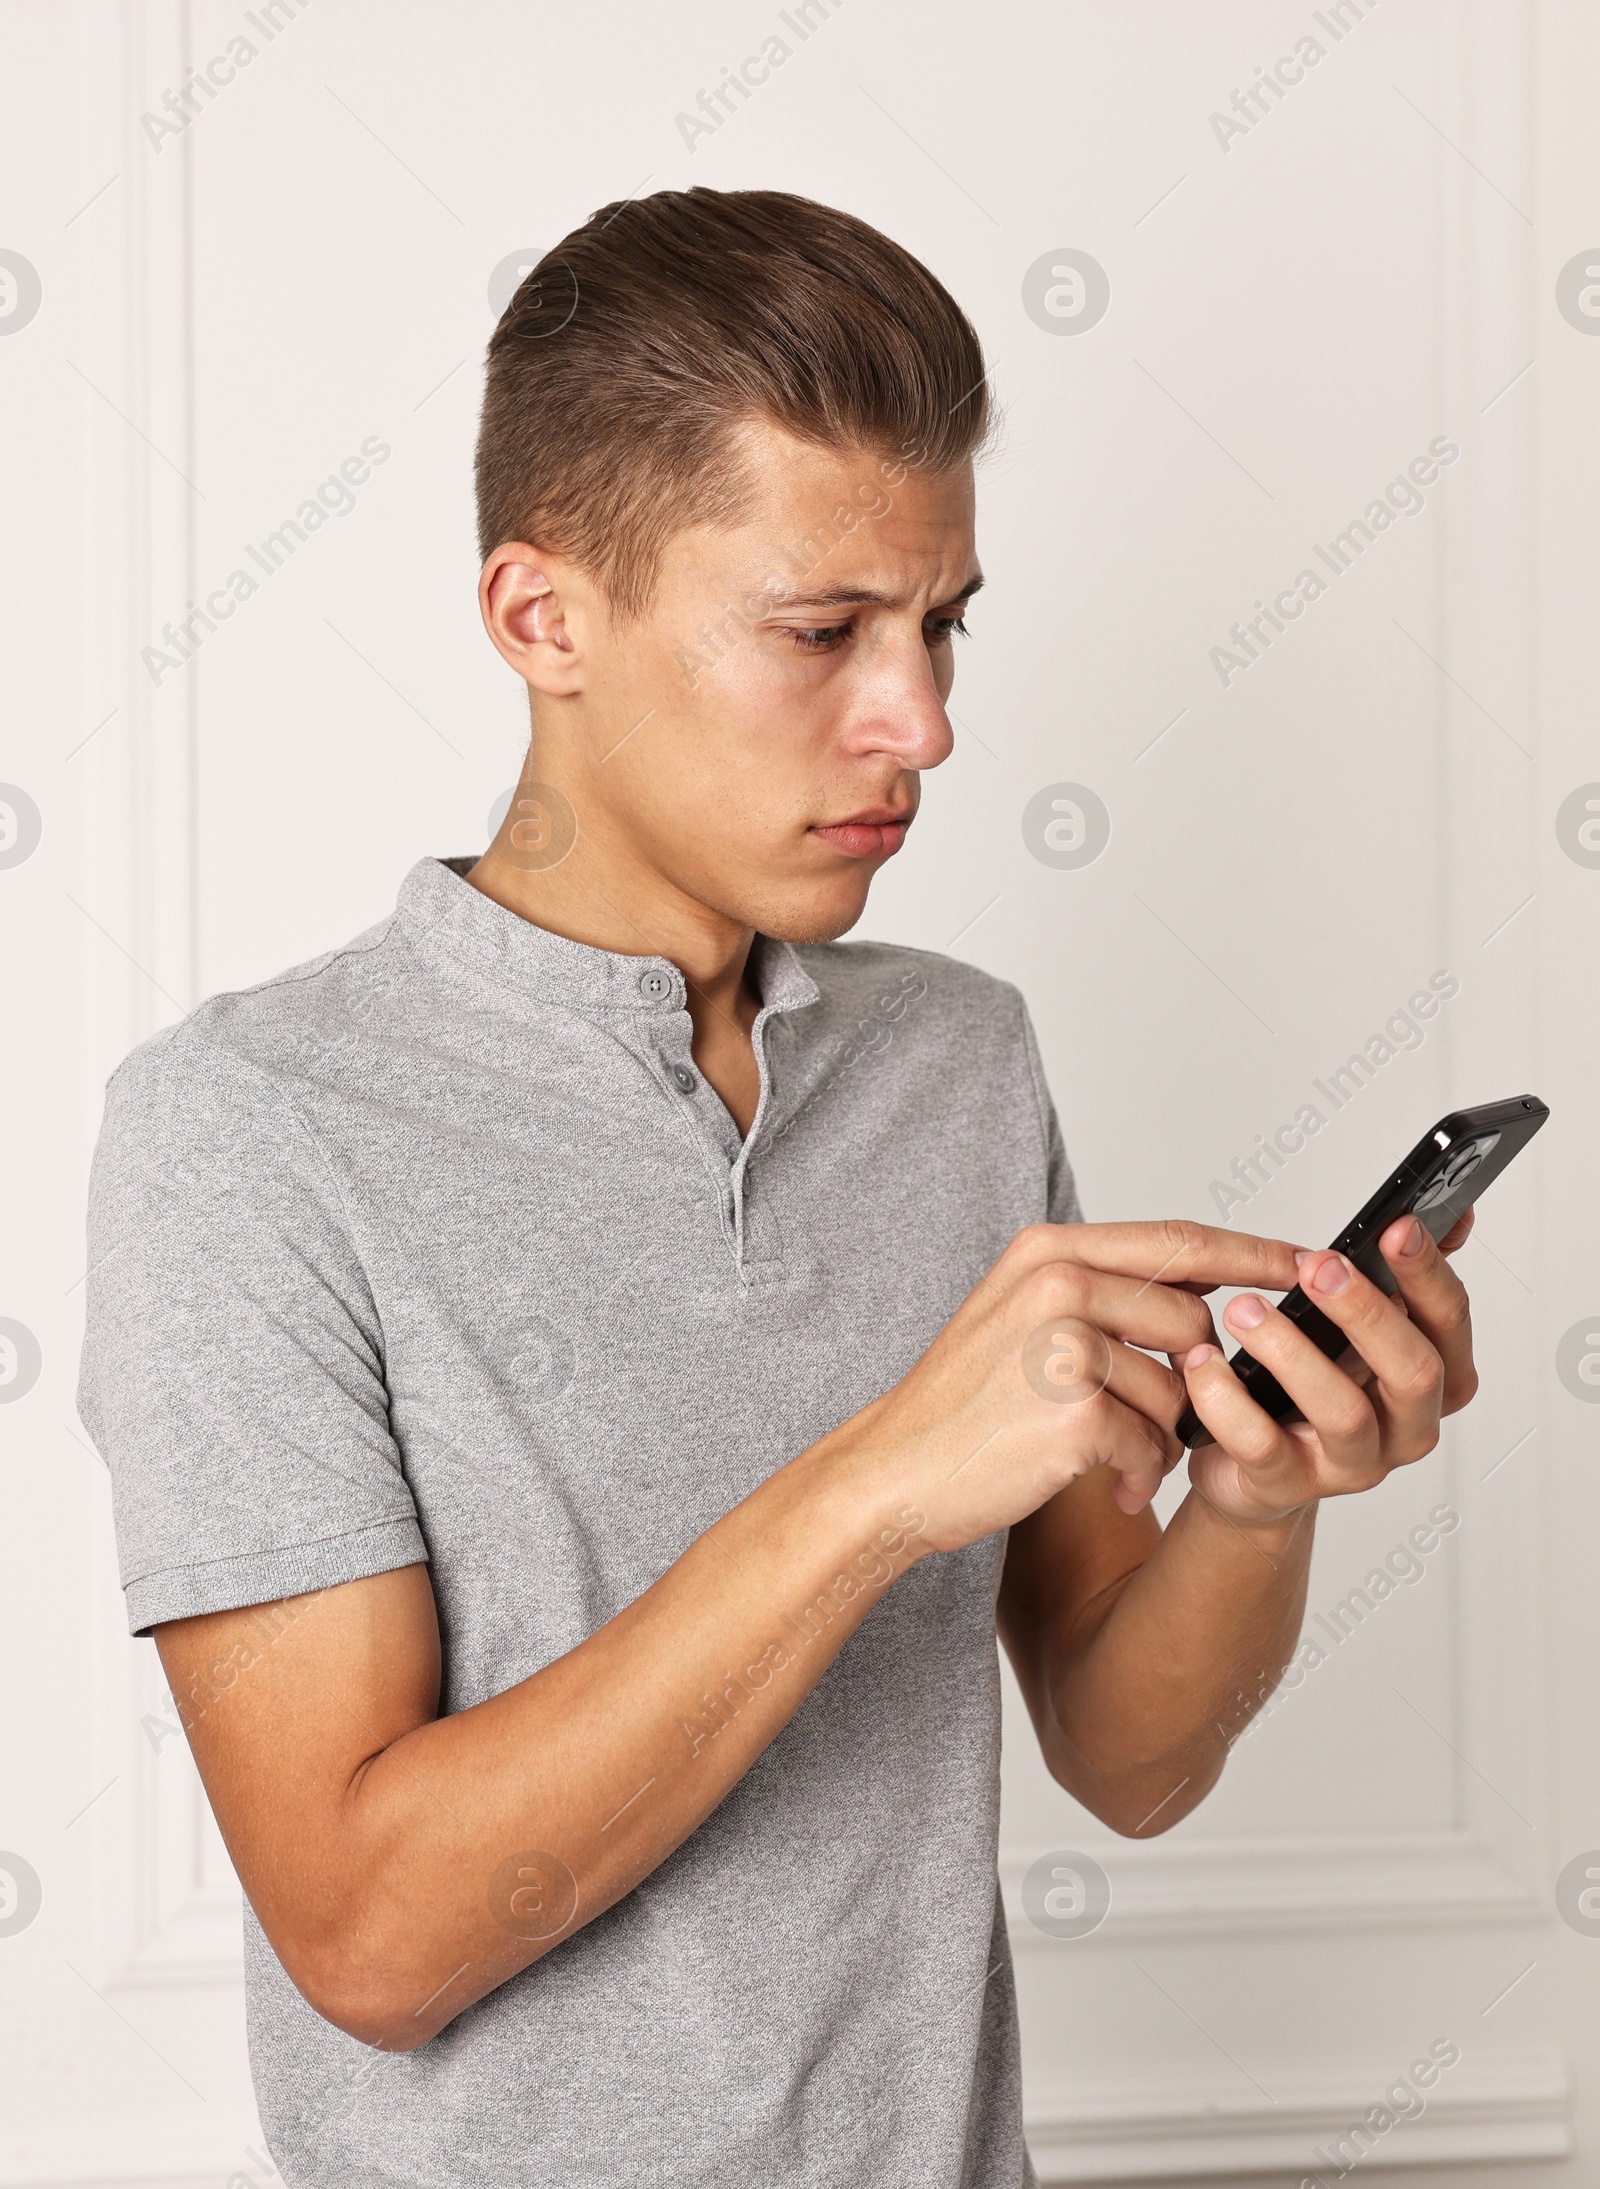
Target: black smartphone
(1446, 1171)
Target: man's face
(785, 688)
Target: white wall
(1292, 319)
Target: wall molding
(145, 495)
(184, 1903)
(1254, 1887)
(165, 1914)
(138, 2154)
(1511, 2109)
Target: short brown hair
(635, 348)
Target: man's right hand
(1044, 1372)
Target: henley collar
(436, 897)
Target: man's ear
(526, 598)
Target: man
(585, 1367)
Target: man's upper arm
(284, 1705)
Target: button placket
(668, 1044)
(753, 1237)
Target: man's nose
(900, 711)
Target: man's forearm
(1143, 1705)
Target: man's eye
(947, 627)
(821, 641)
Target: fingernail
(1246, 1313)
(1332, 1276)
(1415, 1240)
(1198, 1355)
(1301, 1254)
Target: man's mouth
(876, 834)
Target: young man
(586, 1366)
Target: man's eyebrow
(861, 596)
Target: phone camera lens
(1457, 1170)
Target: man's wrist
(1273, 1536)
(867, 1497)
(838, 1511)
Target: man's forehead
(831, 527)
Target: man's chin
(817, 931)
(811, 921)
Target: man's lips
(864, 838)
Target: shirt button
(684, 1079)
(654, 987)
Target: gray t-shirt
(440, 1248)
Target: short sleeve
(232, 1372)
(1061, 1189)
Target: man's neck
(627, 909)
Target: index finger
(1175, 1251)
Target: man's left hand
(1413, 1365)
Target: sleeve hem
(262, 1577)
